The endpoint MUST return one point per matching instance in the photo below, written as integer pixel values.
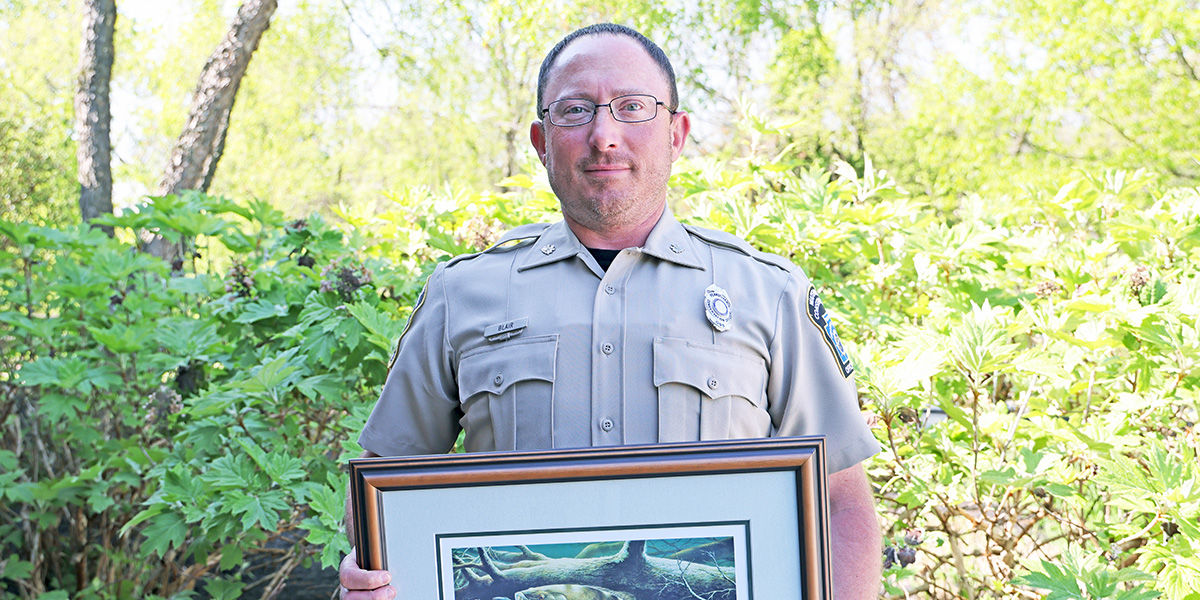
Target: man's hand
(358, 584)
(854, 535)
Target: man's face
(609, 176)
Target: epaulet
(515, 238)
(733, 242)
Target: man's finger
(353, 578)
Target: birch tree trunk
(92, 111)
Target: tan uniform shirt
(530, 345)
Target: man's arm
(854, 535)
(415, 414)
(811, 391)
(359, 584)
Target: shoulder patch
(820, 318)
(517, 237)
(733, 242)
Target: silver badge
(548, 249)
(717, 307)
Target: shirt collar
(556, 243)
(668, 241)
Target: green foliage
(1029, 364)
(164, 426)
(34, 166)
(1086, 580)
(37, 154)
(1108, 82)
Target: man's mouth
(605, 169)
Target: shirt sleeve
(810, 388)
(418, 410)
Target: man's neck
(617, 238)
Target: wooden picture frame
(524, 525)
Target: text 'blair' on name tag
(505, 330)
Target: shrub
(163, 426)
(1028, 364)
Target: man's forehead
(599, 43)
(618, 60)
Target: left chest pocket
(707, 393)
(507, 395)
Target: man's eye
(575, 109)
(632, 106)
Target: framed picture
(727, 520)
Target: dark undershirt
(604, 257)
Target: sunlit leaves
(1084, 578)
(980, 343)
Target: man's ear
(681, 124)
(537, 137)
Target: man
(618, 325)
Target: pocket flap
(494, 369)
(714, 372)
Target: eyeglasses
(632, 108)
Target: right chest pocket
(507, 395)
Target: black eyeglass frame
(544, 113)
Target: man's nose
(606, 130)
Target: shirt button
(499, 379)
(712, 383)
(606, 424)
(607, 348)
(610, 290)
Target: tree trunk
(196, 152)
(92, 112)
(194, 158)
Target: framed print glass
(728, 520)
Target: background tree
(193, 160)
(92, 113)
(1111, 83)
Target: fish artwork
(571, 592)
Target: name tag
(502, 331)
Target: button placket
(608, 325)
